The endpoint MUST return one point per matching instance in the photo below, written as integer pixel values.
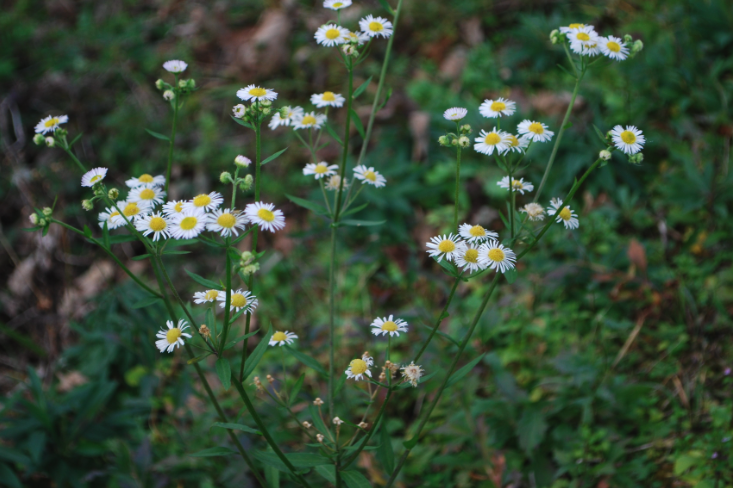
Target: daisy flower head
(282, 338)
(455, 113)
(205, 202)
(155, 224)
(487, 142)
(93, 177)
(375, 26)
(175, 66)
(242, 161)
(239, 299)
(309, 120)
(336, 4)
(517, 144)
(188, 223)
(292, 113)
(593, 48)
(358, 38)
(146, 195)
(255, 93)
(518, 185)
(239, 110)
(629, 140)
(173, 207)
(370, 176)
(388, 325)
(476, 233)
(327, 99)
(581, 37)
(359, 367)
(534, 131)
(207, 296)
(320, 170)
(226, 222)
(50, 123)
(169, 339)
(145, 179)
(613, 47)
(334, 183)
(133, 211)
(564, 215)
(496, 108)
(467, 257)
(534, 211)
(265, 215)
(494, 255)
(443, 246)
(567, 28)
(331, 35)
(112, 217)
(412, 373)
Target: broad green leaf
(296, 389)
(511, 275)
(313, 206)
(273, 157)
(158, 135)
(362, 87)
(256, 356)
(357, 123)
(241, 122)
(531, 428)
(328, 472)
(354, 479)
(684, 462)
(307, 360)
(145, 302)
(333, 134)
(8, 477)
(214, 451)
(203, 281)
(232, 426)
(355, 210)
(458, 375)
(362, 223)
(385, 453)
(224, 371)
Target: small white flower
(154, 224)
(169, 95)
(455, 113)
(629, 140)
(517, 144)
(265, 215)
(334, 182)
(277, 120)
(188, 224)
(388, 325)
(375, 26)
(309, 120)
(256, 93)
(534, 211)
(112, 217)
(582, 37)
(443, 246)
(239, 300)
(614, 48)
(336, 4)
(173, 207)
(494, 255)
(93, 177)
(359, 367)
(496, 108)
(564, 214)
(518, 185)
(146, 195)
(327, 99)
(412, 373)
(567, 29)
(242, 161)
(50, 123)
(487, 142)
(320, 170)
(358, 38)
(207, 296)
(476, 233)
(175, 66)
(338, 421)
(593, 48)
(467, 257)
(146, 179)
(331, 35)
(226, 222)
(239, 110)
(370, 176)
(133, 211)
(171, 338)
(205, 202)
(534, 131)
(281, 338)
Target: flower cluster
(333, 34)
(585, 41)
(181, 87)
(473, 249)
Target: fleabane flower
(358, 38)
(496, 108)
(359, 367)
(488, 142)
(277, 120)
(226, 222)
(563, 213)
(476, 233)
(581, 37)
(112, 217)
(534, 211)
(327, 99)
(517, 144)
(146, 195)
(207, 296)
(336, 4)
(412, 373)
(146, 179)
(375, 26)
(309, 120)
(568, 28)
(175, 66)
(370, 176)
(92, 177)
(334, 182)
(534, 131)
(265, 215)
(494, 255)
(205, 202)
(443, 246)
(188, 224)
(388, 325)
(281, 338)
(239, 110)
(242, 161)
(518, 185)
(629, 140)
(171, 338)
(173, 207)
(155, 224)
(455, 113)
(613, 47)
(239, 299)
(331, 35)
(50, 123)
(467, 257)
(256, 93)
(320, 170)
(133, 211)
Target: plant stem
(511, 202)
(76, 160)
(458, 179)
(347, 130)
(227, 298)
(173, 137)
(331, 321)
(439, 319)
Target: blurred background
(607, 363)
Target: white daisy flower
(309, 120)
(455, 113)
(443, 246)
(592, 48)
(146, 195)
(496, 108)
(358, 38)
(171, 338)
(205, 202)
(534, 131)
(327, 99)
(629, 140)
(226, 222)
(320, 170)
(173, 207)
(412, 373)
(467, 257)
(93, 177)
(112, 217)
(277, 120)
(567, 29)
(281, 338)
(369, 175)
(476, 233)
(581, 37)
(207, 296)
(519, 185)
(256, 93)
(388, 325)
(564, 214)
(175, 66)
(265, 215)
(239, 300)
(188, 224)
(331, 35)
(358, 368)
(517, 144)
(487, 142)
(133, 211)
(494, 255)
(336, 4)
(367, 359)
(242, 161)
(375, 26)
(534, 211)
(146, 179)
(614, 48)
(239, 110)
(155, 224)
(50, 123)
(334, 182)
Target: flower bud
(266, 110)
(47, 211)
(349, 50)
(464, 141)
(98, 192)
(226, 177)
(50, 141)
(454, 141)
(239, 110)
(319, 437)
(555, 37)
(628, 39)
(363, 425)
(159, 84)
(182, 83)
(169, 95)
(307, 424)
(270, 379)
(604, 155)
(38, 139)
(42, 222)
(443, 141)
(265, 103)
(246, 184)
(113, 193)
(191, 84)
(247, 257)
(636, 158)
(337, 421)
(242, 161)
(466, 129)
(33, 218)
(250, 269)
(636, 47)
(87, 205)
(318, 402)
(284, 112)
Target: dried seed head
(318, 402)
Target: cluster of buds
(307, 425)
(245, 183)
(318, 402)
(41, 219)
(247, 263)
(258, 384)
(363, 425)
(49, 141)
(113, 194)
(319, 437)
(255, 113)
(171, 92)
(556, 37)
(270, 379)
(635, 46)
(460, 139)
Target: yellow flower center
(308, 120)
(517, 185)
(613, 46)
(329, 97)
(239, 300)
(496, 255)
(576, 26)
(513, 141)
(96, 178)
(257, 92)
(375, 26)
(477, 231)
(201, 200)
(279, 336)
(172, 335)
(582, 36)
(146, 178)
(51, 122)
(446, 245)
(131, 209)
(178, 207)
(147, 194)
(628, 137)
(370, 175)
(113, 215)
(321, 168)
(471, 256)
(189, 223)
(389, 326)
(211, 294)
(333, 34)
(536, 127)
(492, 139)
(498, 106)
(337, 4)
(358, 366)
(226, 220)
(266, 215)
(157, 224)
(565, 213)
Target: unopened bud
(382, 376)
(307, 424)
(113, 193)
(258, 383)
(98, 191)
(87, 205)
(555, 37)
(628, 39)
(318, 402)
(363, 425)
(226, 177)
(337, 421)
(239, 110)
(265, 103)
(33, 218)
(247, 257)
(169, 95)
(191, 84)
(242, 161)
(38, 139)
(266, 110)
(636, 158)
(464, 141)
(636, 47)
(444, 141)
(246, 183)
(270, 379)
(182, 83)
(454, 141)
(604, 155)
(50, 141)
(204, 331)
(159, 84)
(349, 50)
(319, 437)
(47, 211)
(466, 128)
(250, 269)
(42, 222)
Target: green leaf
(600, 135)
(74, 140)
(273, 157)
(355, 209)
(411, 443)
(214, 451)
(145, 302)
(8, 477)
(224, 371)
(357, 123)
(199, 358)
(315, 207)
(158, 135)
(354, 479)
(362, 87)
(448, 266)
(122, 238)
(181, 242)
(176, 252)
(328, 472)
(257, 354)
(511, 275)
(240, 338)
(531, 428)
(297, 459)
(203, 281)
(387, 7)
(385, 453)
(87, 231)
(241, 427)
(362, 223)
(389, 95)
(683, 463)
(307, 360)
(441, 333)
(296, 389)
(241, 122)
(458, 375)
(140, 257)
(333, 134)
(317, 420)
(105, 235)
(565, 70)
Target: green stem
(458, 179)
(234, 188)
(228, 298)
(347, 130)
(76, 160)
(511, 202)
(439, 319)
(331, 321)
(173, 137)
(368, 436)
